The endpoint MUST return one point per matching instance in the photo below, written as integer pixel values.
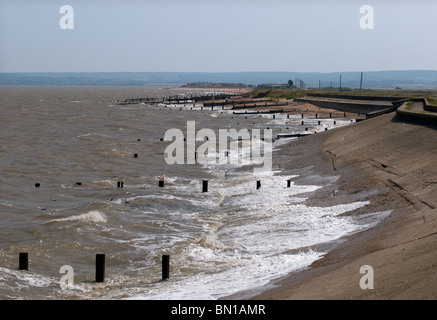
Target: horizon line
(388, 70)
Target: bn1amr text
(225, 309)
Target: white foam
(91, 216)
(24, 279)
(6, 204)
(245, 273)
(246, 238)
(120, 201)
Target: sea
(64, 152)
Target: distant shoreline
(426, 79)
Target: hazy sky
(217, 36)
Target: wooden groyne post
(100, 267)
(165, 266)
(23, 261)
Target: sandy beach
(393, 164)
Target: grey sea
(64, 149)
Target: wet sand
(394, 165)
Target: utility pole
(361, 82)
(340, 82)
(319, 85)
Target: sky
(217, 36)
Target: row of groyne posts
(120, 184)
(23, 257)
(226, 100)
(235, 104)
(23, 264)
(220, 100)
(178, 98)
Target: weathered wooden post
(100, 267)
(165, 266)
(23, 261)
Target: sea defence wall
(426, 116)
(428, 107)
(352, 97)
(370, 107)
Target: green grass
(409, 105)
(431, 100)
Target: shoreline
(391, 163)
